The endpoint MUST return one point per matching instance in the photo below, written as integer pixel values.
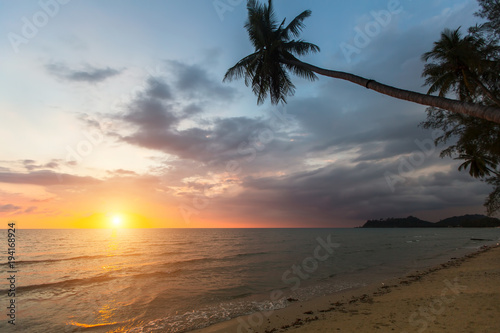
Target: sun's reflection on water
(106, 307)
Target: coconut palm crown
(266, 70)
(460, 65)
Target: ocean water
(177, 280)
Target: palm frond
(300, 47)
(241, 68)
(296, 26)
(266, 70)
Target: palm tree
(460, 64)
(267, 69)
(479, 166)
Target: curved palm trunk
(480, 111)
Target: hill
(465, 221)
(408, 222)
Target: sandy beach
(462, 295)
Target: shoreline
(445, 297)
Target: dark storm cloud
(90, 74)
(337, 193)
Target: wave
(186, 261)
(210, 260)
(213, 259)
(74, 323)
(242, 295)
(158, 269)
(157, 274)
(97, 256)
(90, 327)
(65, 283)
(110, 276)
(168, 253)
(249, 254)
(94, 279)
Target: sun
(116, 220)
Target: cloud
(196, 82)
(158, 89)
(89, 121)
(194, 143)
(45, 178)
(31, 165)
(151, 114)
(122, 173)
(89, 74)
(326, 166)
(8, 208)
(30, 209)
(156, 108)
(334, 195)
(155, 115)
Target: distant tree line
(465, 221)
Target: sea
(179, 280)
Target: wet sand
(462, 295)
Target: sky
(115, 111)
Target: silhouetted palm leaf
(479, 166)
